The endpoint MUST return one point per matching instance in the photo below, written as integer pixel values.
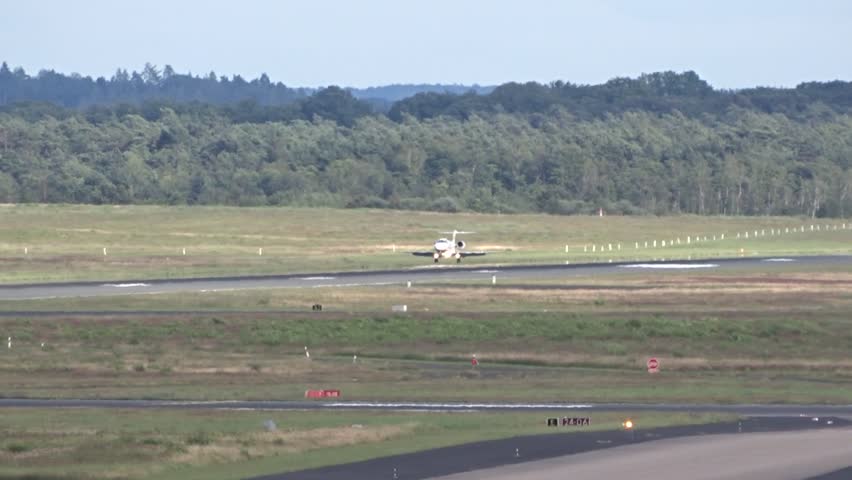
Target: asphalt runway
(574, 409)
(726, 450)
(425, 274)
(757, 456)
(841, 474)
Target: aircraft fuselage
(445, 248)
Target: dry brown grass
(232, 448)
(33, 456)
(221, 449)
(743, 295)
(700, 363)
(671, 363)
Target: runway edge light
(627, 424)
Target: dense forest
(661, 143)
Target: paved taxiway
(753, 456)
(440, 273)
(639, 454)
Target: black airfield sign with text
(568, 421)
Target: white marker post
(183, 251)
(354, 358)
(307, 353)
(566, 248)
(10, 343)
(26, 251)
(594, 248)
(408, 285)
(723, 236)
(493, 279)
(105, 251)
(585, 248)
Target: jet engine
(460, 244)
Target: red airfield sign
(653, 365)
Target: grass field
(166, 444)
(742, 336)
(64, 242)
(777, 334)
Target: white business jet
(449, 248)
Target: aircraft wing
(475, 253)
(423, 254)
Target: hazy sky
(730, 43)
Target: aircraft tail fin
(456, 232)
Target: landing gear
(436, 257)
(458, 258)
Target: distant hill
(153, 83)
(396, 92)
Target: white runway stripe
(671, 266)
(454, 406)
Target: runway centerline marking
(671, 266)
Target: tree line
(521, 148)
(153, 83)
(661, 92)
